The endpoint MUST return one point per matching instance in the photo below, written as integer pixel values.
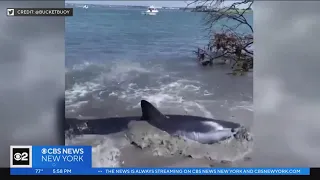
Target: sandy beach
(143, 145)
(131, 156)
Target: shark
(201, 129)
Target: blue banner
(160, 171)
(62, 156)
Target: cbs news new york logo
(20, 156)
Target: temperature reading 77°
(38, 171)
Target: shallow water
(116, 57)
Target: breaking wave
(116, 89)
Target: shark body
(200, 129)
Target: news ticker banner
(39, 12)
(160, 171)
(77, 160)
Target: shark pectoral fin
(150, 113)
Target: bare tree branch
(223, 25)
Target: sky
(144, 3)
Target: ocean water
(116, 57)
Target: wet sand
(132, 156)
(143, 145)
(135, 157)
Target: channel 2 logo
(20, 156)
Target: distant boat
(151, 11)
(85, 7)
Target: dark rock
(225, 162)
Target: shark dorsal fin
(150, 113)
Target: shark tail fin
(150, 113)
